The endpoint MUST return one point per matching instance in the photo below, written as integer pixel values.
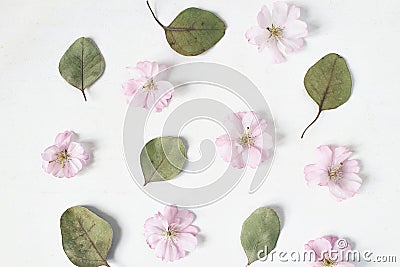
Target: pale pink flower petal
(264, 144)
(257, 36)
(292, 45)
(56, 170)
(131, 87)
(171, 252)
(336, 247)
(237, 161)
(146, 67)
(160, 248)
(315, 175)
(150, 100)
(51, 167)
(187, 242)
(345, 188)
(170, 213)
(154, 226)
(185, 218)
(264, 17)
(336, 171)
(279, 13)
(233, 123)
(140, 99)
(281, 31)
(154, 240)
(248, 118)
(191, 229)
(331, 239)
(158, 72)
(154, 69)
(65, 158)
(224, 147)
(295, 29)
(326, 251)
(293, 13)
(171, 233)
(163, 73)
(49, 153)
(163, 102)
(63, 139)
(257, 126)
(254, 157)
(148, 87)
(341, 153)
(247, 141)
(325, 156)
(274, 55)
(320, 246)
(351, 166)
(162, 95)
(76, 150)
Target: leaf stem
(84, 95)
(82, 75)
(154, 16)
(316, 118)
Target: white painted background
(36, 104)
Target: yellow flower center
(336, 173)
(170, 233)
(328, 262)
(275, 31)
(247, 139)
(149, 85)
(62, 158)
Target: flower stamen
(328, 262)
(149, 85)
(336, 173)
(275, 31)
(62, 157)
(170, 233)
(247, 138)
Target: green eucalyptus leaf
(260, 232)
(86, 238)
(82, 64)
(162, 159)
(328, 82)
(193, 31)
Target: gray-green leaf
(162, 159)
(82, 64)
(260, 232)
(328, 82)
(193, 31)
(86, 238)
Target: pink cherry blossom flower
(336, 171)
(171, 234)
(65, 158)
(148, 87)
(329, 251)
(247, 141)
(281, 31)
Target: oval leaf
(193, 31)
(328, 83)
(86, 238)
(162, 159)
(82, 64)
(260, 232)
